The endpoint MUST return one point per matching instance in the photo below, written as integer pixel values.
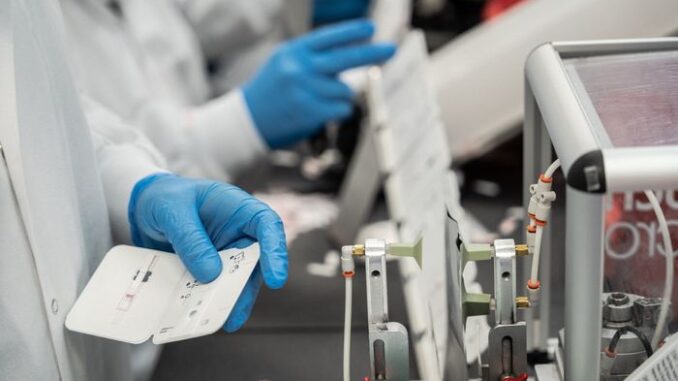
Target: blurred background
(477, 51)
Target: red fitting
(545, 179)
(531, 229)
(539, 223)
(610, 354)
(349, 274)
(533, 284)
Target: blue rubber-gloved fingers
(333, 100)
(222, 208)
(267, 228)
(345, 33)
(243, 307)
(305, 70)
(338, 60)
(328, 88)
(183, 228)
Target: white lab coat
(147, 66)
(239, 35)
(53, 206)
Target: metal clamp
(507, 353)
(389, 344)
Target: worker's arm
(125, 156)
(237, 36)
(225, 27)
(216, 140)
(290, 98)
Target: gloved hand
(195, 218)
(328, 11)
(298, 90)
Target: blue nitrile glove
(328, 11)
(298, 90)
(195, 218)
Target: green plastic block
(477, 304)
(476, 252)
(407, 250)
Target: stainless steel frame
(556, 116)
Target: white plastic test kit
(138, 293)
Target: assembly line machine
(606, 114)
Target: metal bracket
(505, 281)
(507, 353)
(389, 344)
(389, 352)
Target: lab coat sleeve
(216, 140)
(224, 26)
(238, 36)
(124, 156)
(225, 131)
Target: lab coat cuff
(119, 176)
(225, 131)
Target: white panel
(479, 76)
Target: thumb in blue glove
(196, 218)
(298, 90)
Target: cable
(627, 328)
(347, 328)
(348, 270)
(537, 250)
(668, 282)
(538, 211)
(552, 169)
